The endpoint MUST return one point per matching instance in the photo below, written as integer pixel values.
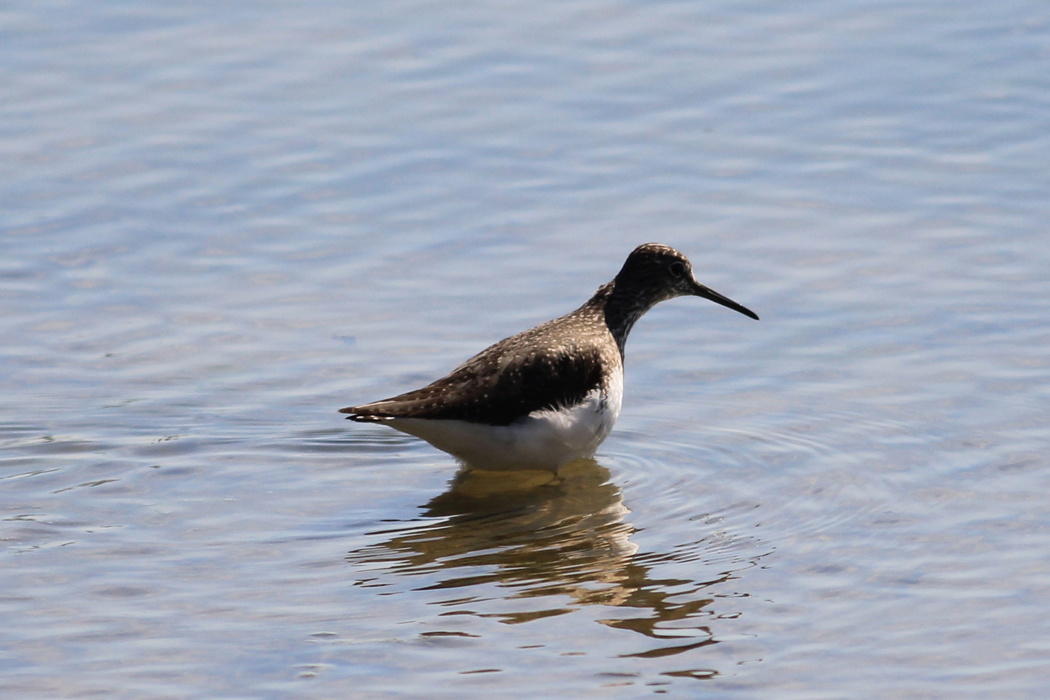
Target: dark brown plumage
(556, 364)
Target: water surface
(223, 224)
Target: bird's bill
(711, 295)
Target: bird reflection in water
(560, 538)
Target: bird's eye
(677, 269)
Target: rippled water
(221, 224)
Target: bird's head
(659, 272)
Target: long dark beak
(710, 294)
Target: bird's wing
(506, 381)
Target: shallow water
(223, 224)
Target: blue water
(223, 223)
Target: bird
(550, 395)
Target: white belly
(542, 440)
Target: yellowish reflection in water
(554, 543)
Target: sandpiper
(545, 397)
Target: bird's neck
(620, 308)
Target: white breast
(546, 439)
